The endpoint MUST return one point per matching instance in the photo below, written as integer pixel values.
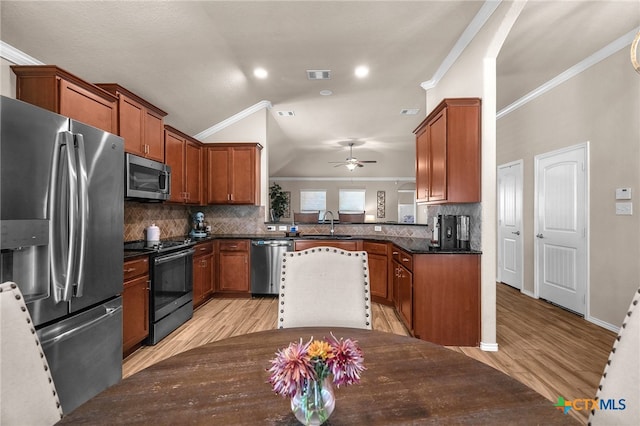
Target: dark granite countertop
(411, 245)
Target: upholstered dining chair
(306, 217)
(324, 286)
(345, 217)
(621, 377)
(27, 392)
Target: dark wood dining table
(406, 381)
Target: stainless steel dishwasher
(266, 258)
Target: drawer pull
(404, 259)
(129, 270)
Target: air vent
(286, 113)
(318, 74)
(409, 111)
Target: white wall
(7, 79)
(601, 105)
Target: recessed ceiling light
(409, 111)
(362, 71)
(260, 73)
(286, 113)
(326, 92)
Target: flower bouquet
(305, 372)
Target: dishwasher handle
(272, 243)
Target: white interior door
(510, 224)
(561, 227)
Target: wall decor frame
(381, 204)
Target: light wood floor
(548, 349)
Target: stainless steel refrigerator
(61, 203)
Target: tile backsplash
(175, 221)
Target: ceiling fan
(351, 162)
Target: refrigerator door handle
(83, 210)
(62, 233)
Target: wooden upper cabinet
(140, 123)
(57, 90)
(233, 173)
(448, 153)
(184, 156)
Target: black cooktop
(159, 247)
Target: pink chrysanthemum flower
(290, 368)
(347, 362)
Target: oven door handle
(168, 258)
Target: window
(312, 200)
(351, 200)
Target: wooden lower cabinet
(446, 298)
(135, 304)
(351, 245)
(403, 285)
(203, 273)
(233, 277)
(380, 284)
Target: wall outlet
(282, 227)
(377, 228)
(271, 227)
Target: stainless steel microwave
(146, 179)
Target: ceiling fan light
(351, 166)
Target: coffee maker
(452, 232)
(198, 226)
(447, 237)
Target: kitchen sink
(326, 236)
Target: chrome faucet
(324, 219)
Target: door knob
(539, 236)
(516, 232)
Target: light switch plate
(623, 193)
(624, 209)
(271, 227)
(377, 228)
(282, 227)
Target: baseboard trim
(489, 347)
(603, 324)
(528, 293)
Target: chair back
(351, 217)
(620, 382)
(306, 217)
(324, 286)
(27, 393)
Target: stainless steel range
(171, 292)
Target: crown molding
(467, 36)
(336, 179)
(233, 119)
(16, 56)
(581, 66)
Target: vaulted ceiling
(195, 60)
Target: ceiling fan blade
(367, 161)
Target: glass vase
(313, 404)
